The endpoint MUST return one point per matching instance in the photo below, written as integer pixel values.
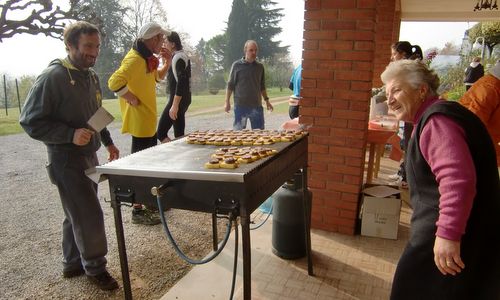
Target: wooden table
(377, 138)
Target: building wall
(346, 45)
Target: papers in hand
(100, 119)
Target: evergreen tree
(215, 50)
(254, 20)
(263, 26)
(237, 32)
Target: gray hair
(249, 42)
(414, 72)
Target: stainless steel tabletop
(178, 159)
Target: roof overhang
(446, 11)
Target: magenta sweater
(445, 149)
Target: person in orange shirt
(483, 99)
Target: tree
(116, 36)
(199, 74)
(449, 49)
(143, 11)
(23, 86)
(35, 17)
(278, 71)
(216, 83)
(489, 30)
(255, 20)
(215, 50)
(236, 33)
(264, 26)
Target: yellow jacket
(140, 120)
(483, 99)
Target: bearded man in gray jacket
(56, 111)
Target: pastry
(245, 159)
(212, 164)
(228, 163)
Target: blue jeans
(242, 114)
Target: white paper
(100, 119)
(381, 191)
(94, 176)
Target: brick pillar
(338, 70)
(387, 26)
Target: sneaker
(104, 281)
(394, 176)
(145, 217)
(73, 273)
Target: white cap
(150, 30)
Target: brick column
(338, 70)
(387, 26)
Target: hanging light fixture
(486, 4)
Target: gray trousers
(84, 239)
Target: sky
(28, 54)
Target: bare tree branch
(43, 18)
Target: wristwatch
(266, 98)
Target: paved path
(31, 216)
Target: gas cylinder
(288, 233)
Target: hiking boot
(145, 217)
(103, 281)
(73, 273)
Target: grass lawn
(9, 123)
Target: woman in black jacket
(178, 88)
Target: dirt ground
(31, 218)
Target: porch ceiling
(445, 10)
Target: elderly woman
(454, 245)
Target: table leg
(122, 251)
(247, 272)
(378, 155)
(371, 155)
(307, 220)
(214, 232)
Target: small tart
(237, 142)
(272, 151)
(276, 138)
(228, 163)
(245, 159)
(247, 142)
(212, 164)
(268, 141)
(200, 141)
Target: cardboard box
(380, 217)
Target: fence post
(18, 100)
(5, 93)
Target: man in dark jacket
(247, 82)
(56, 111)
(473, 72)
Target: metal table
(179, 168)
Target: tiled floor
(345, 267)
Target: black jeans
(141, 143)
(166, 122)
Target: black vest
(424, 191)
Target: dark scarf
(152, 61)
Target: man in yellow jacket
(135, 84)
